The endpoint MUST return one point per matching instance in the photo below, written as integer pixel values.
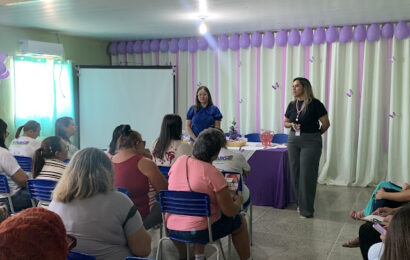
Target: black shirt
(309, 120)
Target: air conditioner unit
(41, 48)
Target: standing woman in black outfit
(305, 143)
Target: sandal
(355, 242)
(357, 214)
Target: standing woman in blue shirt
(305, 143)
(203, 114)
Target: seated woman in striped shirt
(48, 159)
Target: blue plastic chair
(253, 137)
(189, 204)
(280, 138)
(124, 190)
(40, 190)
(24, 162)
(66, 160)
(164, 170)
(72, 255)
(137, 258)
(5, 189)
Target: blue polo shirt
(203, 118)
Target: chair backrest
(137, 258)
(164, 170)
(66, 160)
(185, 203)
(253, 137)
(280, 138)
(4, 185)
(72, 255)
(24, 162)
(40, 189)
(124, 190)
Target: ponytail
(19, 131)
(38, 162)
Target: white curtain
(364, 86)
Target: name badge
(297, 133)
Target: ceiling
(148, 19)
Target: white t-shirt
(24, 146)
(234, 162)
(8, 167)
(175, 149)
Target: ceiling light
(203, 28)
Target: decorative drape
(364, 85)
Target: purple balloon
(154, 46)
(183, 44)
(244, 40)
(282, 38)
(163, 45)
(173, 45)
(137, 46)
(294, 37)
(359, 33)
(332, 34)
(387, 30)
(234, 42)
(306, 38)
(223, 42)
(319, 36)
(122, 47)
(268, 39)
(346, 34)
(373, 32)
(112, 50)
(129, 47)
(3, 56)
(146, 46)
(192, 45)
(401, 31)
(5, 75)
(202, 44)
(3, 68)
(256, 39)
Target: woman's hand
(384, 211)
(296, 127)
(405, 186)
(380, 194)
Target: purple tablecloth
(269, 181)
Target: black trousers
(368, 236)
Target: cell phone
(379, 229)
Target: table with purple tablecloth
(269, 181)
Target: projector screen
(110, 96)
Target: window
(43, 91)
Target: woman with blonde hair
(105, 222)
(26, 144)
(305, 143)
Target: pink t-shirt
(203, 177)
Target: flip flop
(355, 242)
(356, 214)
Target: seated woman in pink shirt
(197, 174)
(134, 172)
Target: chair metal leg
(222, 250)
(11, 205)
(187, 250)
(250, 223)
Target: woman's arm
(20, 177)
(189, 129)
(401, 196)
(140, 242)
(230, 206)
(325, 124)
(218, 123)
(150, 169)
(288, 124)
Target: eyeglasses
(142, 141)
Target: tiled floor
(281, 234)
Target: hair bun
(126, 130)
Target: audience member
(26, 144)
(134, 172)
(113, 146)
(105, 222)
(169, 146)
(16, 177)
(35, 234)
(65, 128)
(197, 174)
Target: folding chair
(189, 204)
(72, 255)
(280, 138)
(40, 190)
(164, 170)
(124, 190)
(24, 162)
(253, 137)
(4, 189)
